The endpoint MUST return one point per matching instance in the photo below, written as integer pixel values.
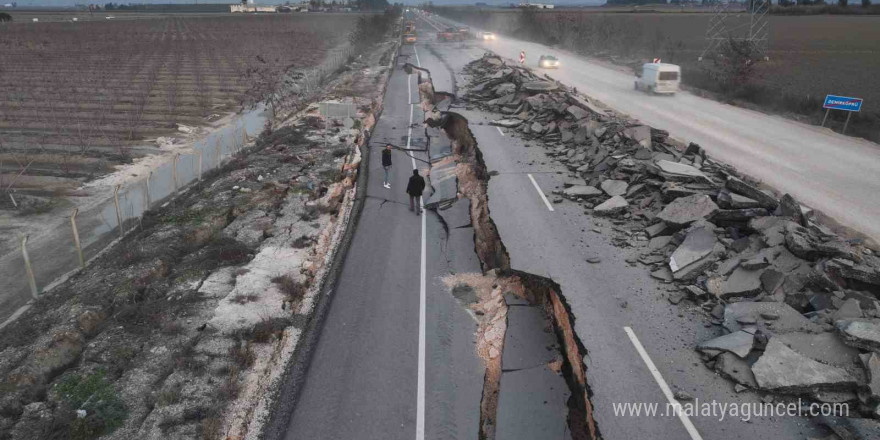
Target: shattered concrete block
(782, 369)
(850, 309)
(852, 428)
(698, 243)
(672, 190)
(641, 134)
(742, 283)
(506, 123)
(678, 172)
(739, 343)
(582, 191)
(788, 319)
(847, 269)
(577, 112)
(826, 348)
(611, 206)
(656, 229)
(736, 369)
(740, 187)
(871, 362)
(614, 187)
(790, 208)
(771, 280)
(738, 215)
(860, 333)
(686, 210)
(798, 241)
(697, 268)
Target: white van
(659, 78)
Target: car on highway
(487, 35)
(660, 78)
(409, 38)
(548, 62)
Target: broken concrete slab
(740, 187)
(686, 210)
(747, 313)
(848, 269)
(742, 283)
(852, 428)
(698, 243)
(611, 206)
(735, 368)
(574, 181)
(850, 309)
(678, 172)
(825, 347)
(739, 343)
(527, 342)
(444, 183)
(506, 123)
(729, 200)
(614, 187)
(860, 333)
(656, 229)
(577, 112)
(871, 363)
(458, 215)
(640, 133)
(582, 191)
(782, 369)
(771, 279)
(532, 405)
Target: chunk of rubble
(850, 270)
(582, 191)
(640, 133)
(697, 268)
(782, 369)
(574, 181)
(786, 320)
(860, 333)
(577, 112)
(699, 242)
(740, 187)
(852, 428)
(826, 348)
(742, 283)
(686, 210)
(614, 187)
(871, 362)
(736, 369)
(540, 86)
(674, 171)
(729, 200)
(611, 206)
(739, 343)
(506, 123)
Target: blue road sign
(834, 102)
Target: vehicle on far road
(658, 78)
(450, 34)
(409, 27)
(487, 35)
(409, 38)
(548, 62)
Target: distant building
(251, 8)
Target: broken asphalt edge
(285, 395)
(580, 415)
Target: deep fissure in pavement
(473, 180)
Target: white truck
(658, 78)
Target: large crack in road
(531, 290)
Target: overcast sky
(22, 3)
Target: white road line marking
(541, 193)
(420, 393)
(499, 131)
(663, 386)
(419, 63)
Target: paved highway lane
(395, 358)
(618, 308)
(835, 174)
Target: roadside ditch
(499, 288)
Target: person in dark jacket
(414, 188)
(386, 164)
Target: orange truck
(409, 38)
(450, 34)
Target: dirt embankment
(184, 328)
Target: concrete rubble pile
(799, 304)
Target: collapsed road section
(528, 391)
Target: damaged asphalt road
(607, 293)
